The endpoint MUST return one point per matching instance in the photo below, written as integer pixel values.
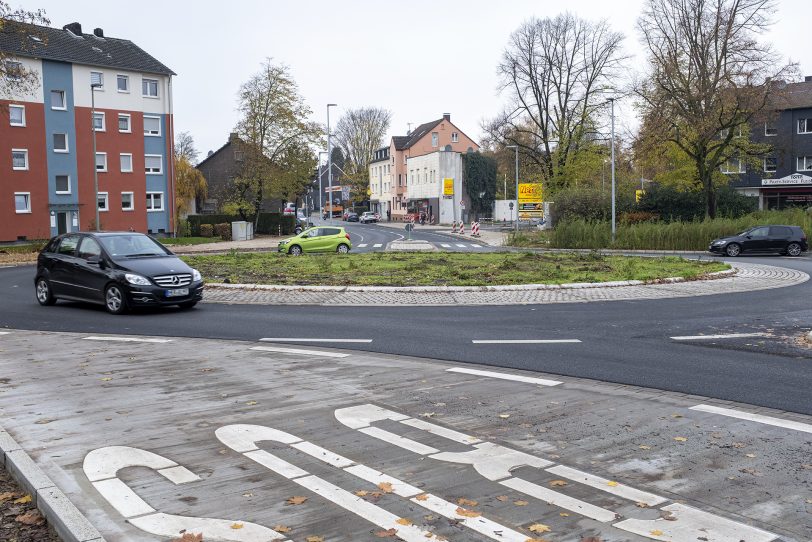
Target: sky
(418, 59)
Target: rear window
(780, 231)
(330, 231)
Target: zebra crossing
(441, 246)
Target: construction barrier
(462, 228)
(475, 229)
(454, 227)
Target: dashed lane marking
(445, 245)
(505, 376)
(5, 332)
(603, 484)
(768, 420)
(362, 245)
(475, 246)
(126, 339)
(299, 351)
(524, 341)
(308, 340)
(377, 245)
(460, 245)
(722, 336)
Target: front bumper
(144, 296)
(716, 249)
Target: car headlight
(196, 275)
(136, 279)
(718, 242)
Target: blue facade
(158, 220)
(59, 76)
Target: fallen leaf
(6, 496)
(43, 421)
(611, 483)
(386, 487)
(427, 414)
(676, 415)
(361, 493)
(31, 517)
(563, 514)
(520, 503)
(248, 494)
(644, 447)
(641, 505)
(314, 539)
(281, 529)
(251, 403)
(681, 439)
(558, 483)
(656, 532)
(389, 533)
(422, 497)
(502, 498)
(106, 379)
(504, 416)
(403, 521)
(467, 513)
(23, 500)
(750, 455)
(296, 500)
(237, 526)
(190, 537)
(539, 528)
(466, 502)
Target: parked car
(119, 270)
(352, 217)
(321, 239)
(368, 217)
(790, 240)
(302, 223)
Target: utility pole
(516, 164)
(321, 190)
(614, 227)
(330, 162)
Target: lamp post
(516, 148)
(330, 162)
(321, 191)
(93, 87)
(612, 142)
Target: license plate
(178, 292)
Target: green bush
(206, 230)
(681, 206)
(268, 223)
(587, 204)
(223, 231)
(184, 228)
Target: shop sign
(795, 178)
(448, 188)
(530, 193)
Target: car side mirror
(96, 260)
(748, 236)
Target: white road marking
(769, 420)
(445, 245)
(299, 351)
(376, 477)
(362, 245)
(480, 524)
(215, 529)
(693, 524)
(460, 245)
(304, 340)
(444, 432)
(4, 332)
(475, 246)
(559, 499)
(597, 482)
(322, 454)
(397, 440)
(524, 341)
(505, 376)
(377, 245)
(126, 339)
(724, 336)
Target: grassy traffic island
(441, 268)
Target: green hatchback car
(320, 239)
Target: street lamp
(321, 191)
(93, 86)
(612, 142)
(330, 161)
(516, 148)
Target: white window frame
(160, 170)
(132, 201)
(767, 127)
(455, 137)
(119, 76)
(101, 80)
(151, 202)
(129, 123)
(103, 121)
(807, 126)
(27, 210)
(150, 134)
(64, 100)
(726, 167)
(765, 164)
(157, 89)
(106, 197)
(806, 161)
(435, 139)
(57, 191)
(21, 108)
(96, 162)
(25, 153)
(67, 144)
(121, 162)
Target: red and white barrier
(454, 227)
(475, 229)
(462, 228)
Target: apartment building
(784, 177)
(47, 160)
(389, 172)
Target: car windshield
(132, 245)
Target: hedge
(268, 223)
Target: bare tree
(359, 133)
(185, 147)
(709, 78)
(17, 27)
(557, 72)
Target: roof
(213, 153)
(400, 142)
(795, 96)
(420, 131)
(62, 45)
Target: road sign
(510, 205)
(462, 204)
(638, 195)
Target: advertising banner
(448, 188)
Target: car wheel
(187, 304)
(44, 295)
(342, 249)
(733, 250)
(794, 249)
(295, 250)
(114, 300)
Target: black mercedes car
(790, 240)
(119, 270)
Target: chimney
(808, 79)
(98, 32)
(74, 28)
(233, 137)
(209, 153)
(447, 116)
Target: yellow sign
(530, 193)
(448, 187)
(638, 195)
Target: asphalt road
(374, 237)
(626, 342)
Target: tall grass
(660, 235)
